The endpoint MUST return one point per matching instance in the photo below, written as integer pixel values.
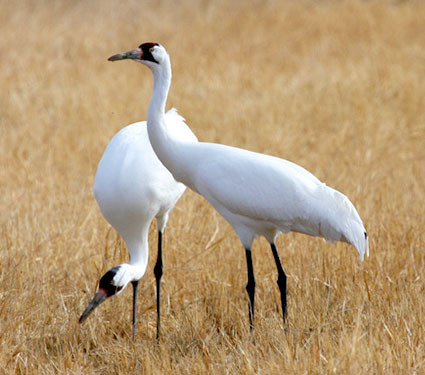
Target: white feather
(132, 187)
(257, 194)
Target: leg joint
(158, 270)
(250, 284)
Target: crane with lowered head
(132, 188)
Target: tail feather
(177, 121)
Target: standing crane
(257, 194)
(132, 187)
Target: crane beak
(134, 54)
(96, 301)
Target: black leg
(281, 280)
(250, 287)
(135, 287)
(158, 274)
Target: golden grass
(337, 87)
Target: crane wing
(257, 186)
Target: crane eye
(151, 49)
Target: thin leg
(250, 287)
(135, 288)
(281, 280)
(158, 275)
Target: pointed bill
(132, 55)
(96, 301)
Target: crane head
(111, 283)
(150, 54)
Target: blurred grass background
(335, 86)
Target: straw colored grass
(337, 87)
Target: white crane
(132, 187)
(257, 194)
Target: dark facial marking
(106, 282)
(147, 55)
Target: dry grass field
(337, 87)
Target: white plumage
(256, 193)
(132, 187)
(263, 195)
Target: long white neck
(170, 150)
(161, 86)
(136, 239)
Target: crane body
(257, 194)
(132, 188)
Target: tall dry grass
(337, 87)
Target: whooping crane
(132, 187)
(257, 194)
